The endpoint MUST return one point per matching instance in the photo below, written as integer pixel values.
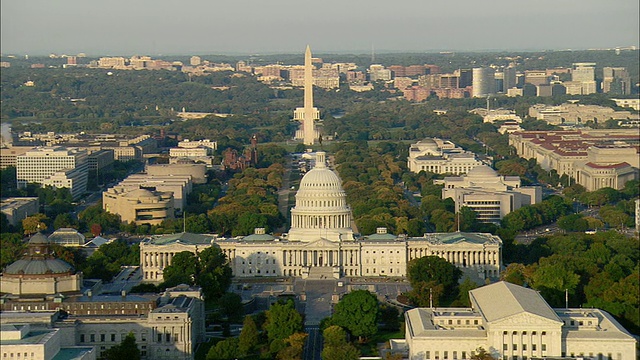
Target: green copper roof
(184, 238)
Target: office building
(598, 158)
(616, 80)
(585, 74)
(59, 167)
(483, 82)
(490, 195)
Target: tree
(336, 346)
(231, 306)
(11, 248)
(283, 320)
(208, 269)
(224, 350)
(249, 336)
(128, 349)
(358, 313)
(181, 271)
(294, 347)
(573, 222)
(95, 229)
(481, 354)
(214, 273)
(63, 221)
(34, 223)
(463, 292)
(515, 274)
(433, 270)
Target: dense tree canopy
(433, 279)
(208, 269)
(358, 312)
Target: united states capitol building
(321, 243)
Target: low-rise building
(21, 341)
(140, 206)
(512, 322)
(17, 209)
(440, 157)
(490, 195)
(67, 237)
(569, 152)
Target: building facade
(38, 165)
(512, 322)
(18, 208)
(140, 206)
(440, 157)
(321, 243)
(490, 195)
(598, 157)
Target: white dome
(320, 179)
(321, 183)
(321, 206)
(482, 171)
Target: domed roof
(38, 238)
(482, 171)
(321, 177)
(38, 267)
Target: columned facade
(321, 243)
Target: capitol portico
(321, 243)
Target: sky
(154, 27)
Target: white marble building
(512, 322)
(440, 157)
(322, 244)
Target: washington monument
(308, 114)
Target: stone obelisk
(308, 123)
(307, 115)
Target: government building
(321, 243)
(490, 195)
(440, 157)
(47, 310)
(512, 322)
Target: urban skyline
(73, 26)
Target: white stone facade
(440, 157)
(490, 195)
(512, 322)
(321, 243)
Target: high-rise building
(483, 82)
(509, 79)
(308, 114)
(616, 80)
(585, 74)
(536, 77)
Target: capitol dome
(321, 177)
(321, 207)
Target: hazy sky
(126, 27)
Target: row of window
(18, 355)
